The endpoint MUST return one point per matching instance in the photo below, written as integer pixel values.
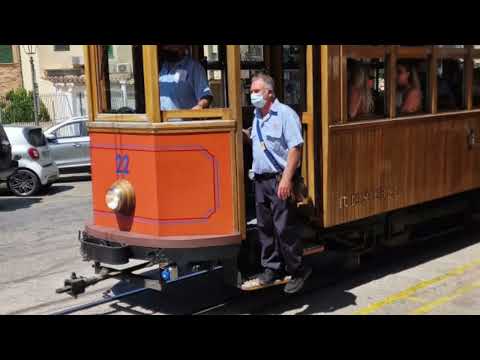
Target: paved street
(39, 249)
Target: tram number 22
(122, 163)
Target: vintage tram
(177, 193)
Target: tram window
(122, 82)
(294, 75)
(252, 61)
(450, 85)
(412, 85)
(366, 89)
(476, 83)
(251, 53)
(214, 62)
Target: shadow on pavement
(74, 178)
(56, 189)
(16, 203)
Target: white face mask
(257, 100)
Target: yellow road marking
(445, 299)
(416, 299)
(414, 289)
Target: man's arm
(292, 130)
(286, 185)
(201, 87)
(203, 103)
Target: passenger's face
(172, 52)
(259, 87)
(402, 76)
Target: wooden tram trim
(468, 78)
(390, 82)
(91, 100)
(152, 91)
(235, 107)
(308, 119)
(220, 113)
(325, 122)
(433, 83)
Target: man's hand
(284, 189)
(202, 104)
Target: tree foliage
(17, 106)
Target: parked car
(7, 164)
(36, 168)
(70, 145)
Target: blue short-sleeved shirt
(281, 130)
(182, 84)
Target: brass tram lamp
(31, 50)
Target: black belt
(266, 176)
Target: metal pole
(35, 93)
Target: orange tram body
(181, 188)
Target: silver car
(70, 145)
(36, 168)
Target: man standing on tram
(183, 80)
(277, 141)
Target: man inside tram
(183, 80)
(409, 90)
(277, 141)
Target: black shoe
(268, 277)
(297, 282)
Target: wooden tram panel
(373, 167)
(182, 181)
(184, 174)
(380, 167)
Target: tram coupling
(76, 285)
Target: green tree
(17, 106)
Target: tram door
(287, 65)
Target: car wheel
(23, 183)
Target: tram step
(311, 249)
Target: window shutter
(6, 54)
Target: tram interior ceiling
(386, 127)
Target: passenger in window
(360, 93)
(409, 90)
(183, 80)
(446, 89)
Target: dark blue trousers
(281, 247)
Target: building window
(61, 47)
(6, 54)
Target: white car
(36, 168)
(69, 144)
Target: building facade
(60, 77)
(10, 68)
